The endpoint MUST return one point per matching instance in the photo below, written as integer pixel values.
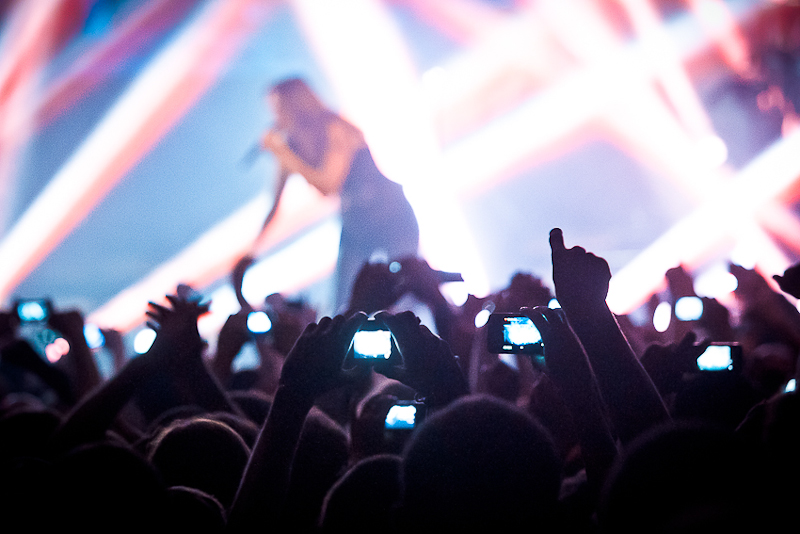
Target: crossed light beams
(695, 177)
(168, 86)
(578, 120)
(35, 32)
(148, 23)
(713, 225)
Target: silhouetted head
(203, 454)
(102, 488)
(192, 510)
(682, 477)
(321, 458)
(24, 432)
(480, 463)
(364, 499)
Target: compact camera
(513, 333)
(373, 341)
(372, 344)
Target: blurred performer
(332, 155)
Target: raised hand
(564, 355)
(176, 326)
(666, 365)
(789, 282)
(375, 288)
(314, 365)
(231, 338)
(429, 366)
(568, 367)
(580, 278)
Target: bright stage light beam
(475, 172)
(764, 179)
(167, 87)
(363, 54)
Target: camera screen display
(32, 310)
(716, 358)
(401, 416)
(372, 344)
(519, 332)
(513, 333)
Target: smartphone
(373, 342)
(404, 415)
(32, 310)
(720, 357)
(510, 333)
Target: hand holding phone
(372, 343)
(513, 333)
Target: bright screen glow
(401, 417)
(688, 308)
(662, 317)
(715, 358)
(258, 322)
(94, 337)
(521, 331)
(144, 340)
(32, 311)
(372, 344)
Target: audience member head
(201, 453)
(103, 488)
(321, 458)
(192, 510)
(480, 463)
(363, 500)
(682, 477)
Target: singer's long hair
(304, 119)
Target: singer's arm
(280, 183)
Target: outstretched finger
(557, 240)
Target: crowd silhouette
(617, 430)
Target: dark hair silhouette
(320, 459)
(102, 488)
(480, 463)
(681, 477)
(364, 499)
(201, 453)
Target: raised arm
(312, 367)
(581, 281)
(173, 366)
(568, 367)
